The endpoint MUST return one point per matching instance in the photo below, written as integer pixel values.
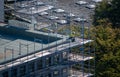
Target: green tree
(107, 50)
(114, 15)
(108, 10)
(101, 12)
(107, 33)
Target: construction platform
(16, 43)
(25, 45)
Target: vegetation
(107, 33)
(109, 10)
(73, 31)
(107, 51)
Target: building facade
(46, 66)
(53, 61)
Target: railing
(43, 53)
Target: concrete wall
(1, 10)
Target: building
(1, 10)
(20, 59)
(25, 52)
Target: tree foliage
(107, 38)
(107, 50)
(110, 10)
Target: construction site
(31, 44)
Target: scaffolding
(73, 59)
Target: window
(56, 73)
(14, 72)
(41, 76)
(65, 56)
(22, 70)
(48, 61)
(31, 67)
(64, 70)
(5, 74)
(48, 75)
(56, 59)
(39, 64)
(32, 75)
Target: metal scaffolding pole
(19, 48)
(38, 40)
(48, 39)
(94, 54)
(5, 56)
(82, 36)
(56, 25)
(69, 34)
(89, 49)
(25, 45)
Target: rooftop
(19, 45)
(14, 45)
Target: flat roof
(33, 10)
(12, 47)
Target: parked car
(49, 7)
(81, 2)
(43, 13)
(59, 10)
(23, 5)
(69, 15)
(62, 22)
(97, 1)
(80, 20)
(38, 3)
(90, 6)
(52, 17)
